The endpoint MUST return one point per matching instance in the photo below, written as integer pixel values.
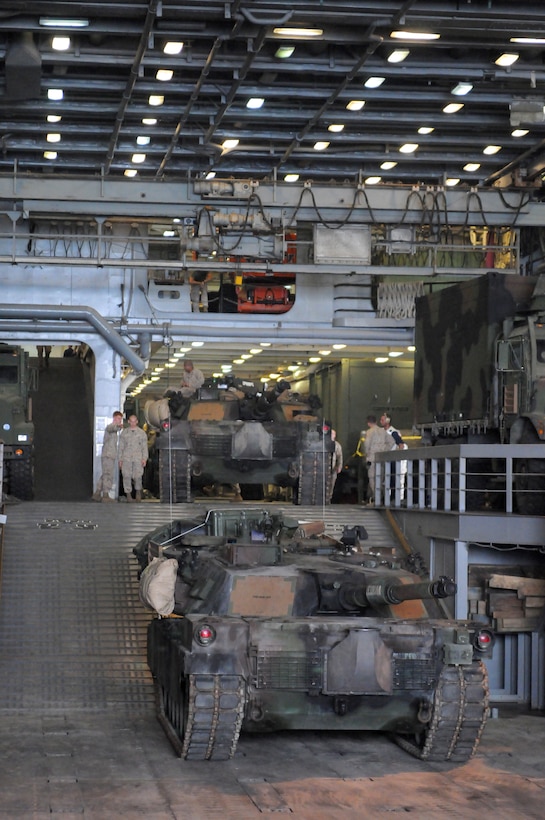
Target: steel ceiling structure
(108, 72)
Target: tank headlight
(205, 634)
(483, 640)
(6, 426)
(19, 452)
(22, 437)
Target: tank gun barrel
(385, 592)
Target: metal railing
(463, 478)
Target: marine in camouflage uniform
(133, 455)
(108, 458)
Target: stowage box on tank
(266, 627)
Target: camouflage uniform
(377, 440)
(191, 382)
(108, 458)
(133, 454)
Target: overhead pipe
(78, 313)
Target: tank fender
(222, 663)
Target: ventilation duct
(23, 68)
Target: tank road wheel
(204, 716)
(314, 480)
(457, 717)
(174, 476)
(21, 478)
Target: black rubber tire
(529, 479)
(314, 481)
(530, 486)
(174, 476)
(20, 482)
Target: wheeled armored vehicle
(265, 626)
(233, 432)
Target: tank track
(174, 476)
(203, 718)
(314, 480)
(459, 714)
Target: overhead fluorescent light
(381, 359)
(164, 74)
(374, 82)
(372, 180)
(64, 22)
(414, 35)
(255, 102)
(315, 359)
(408, 148)
(321, 145)
(506, 59)
(50, 155)
(519, 132)
(398, 55)
(149, 121)
(60, 43)
(462, 89)
(355, 105)
(210, 175)
(296, 31)
(388, 165)
(393, 354)
(173, 47)
(229, 144)
(55, 94)
(53, 137)
(472, 166)
(530, 41)
(130, 172)
(283, 52)
(142, 140)
(452, 108)
(491, 149)
(156, 99)
(336, 127)
(426, 129)
(339, 346)
(452, 181)
(54, 118)
(138, 158)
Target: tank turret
(231, 431)
(267, 623)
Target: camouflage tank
(268, 624)
(233, 432)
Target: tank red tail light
(483, 640)
(205, 634)
(19, 452)
(165, 425)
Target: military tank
(233, 432)
(269, 624)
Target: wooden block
(517, 624)
(534, 601)
(523, 586)
(475, 594)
